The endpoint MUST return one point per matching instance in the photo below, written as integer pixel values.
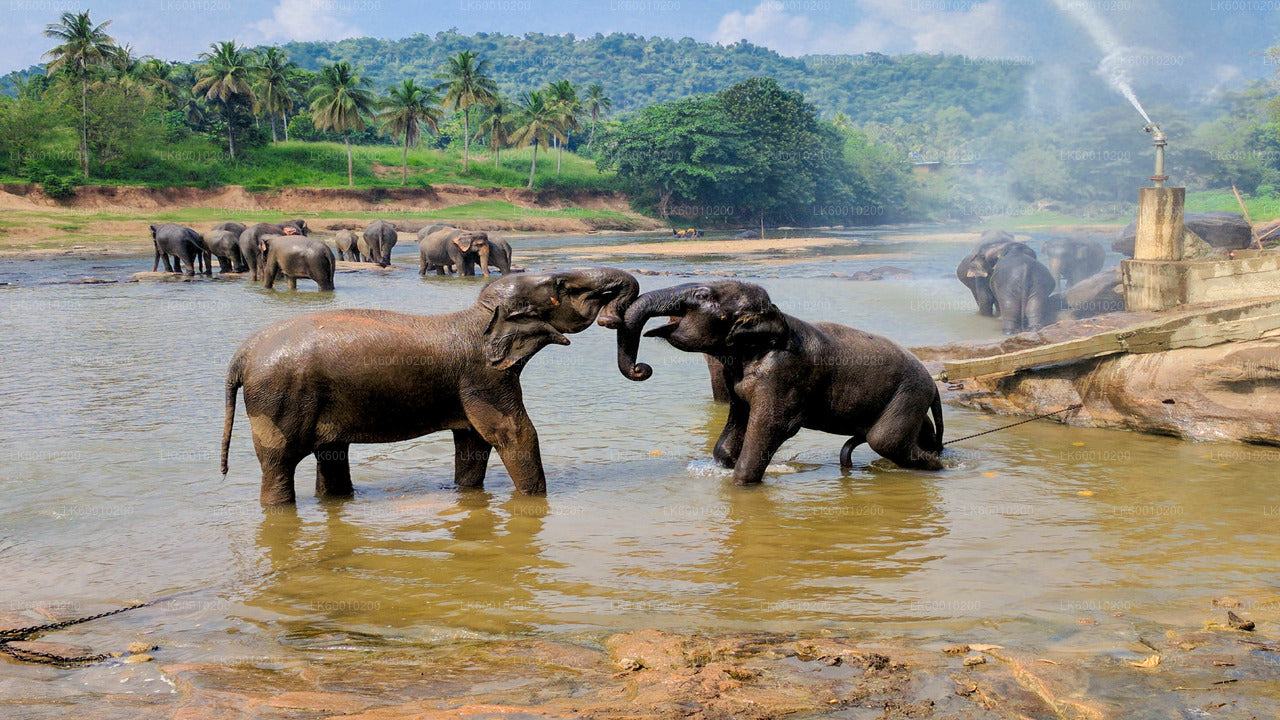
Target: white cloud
(968, 27)
(305, 20)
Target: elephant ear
(761, 330)
(516, 335)
(462, 241)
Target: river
(111, 406)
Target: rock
(14, 621)
(320, 702)
(1226, 602)
(1219, 229)
(148, 276)
(972, 660)
(92, 281)
(863, 275)
(647, 649)
(139, 658)
(1239, 623)
(140, 647)
(889, 270)
(959, 649)
(1193, 247)
(747, 235)
(1096, 294)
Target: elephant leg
(277, 475)
(333, 471)
(504, 424)
(719, 380)
(985, 298)
(897, 434)
(156, 265)
(1012, 314)
(440, 270)
(484, 262)
(470, 458)
(729, 446)
(189, 264)
(224, 264)
(269, 272)
(208, 263)
(846, 450)
(1035, 312)
(341, 257)
(770, 424)
(167, 266)
(292, 280)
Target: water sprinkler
(1160, 141)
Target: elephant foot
(333, 472)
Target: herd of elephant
(1008, 280)
(316, 384)
(268, 251)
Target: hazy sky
(1219, 39)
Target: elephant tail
(234, 381)
(936, 409)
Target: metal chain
(35, 656)
(1068, 408)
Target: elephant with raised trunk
(784, 374)
(380, 236)
(318, 383)
(296, 256)
(250, 250)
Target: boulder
(1097, 294)
(1219, 229)
(746, 235)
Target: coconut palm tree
(158, 75)
(497, 127)
(340, 102)
(541, 121)
(597, 104)
(273, 73)
(83, 47)
(404, 111)
(226, 76)
(564, 95)
(466, 84)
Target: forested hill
(637, 71)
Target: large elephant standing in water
(990, 243)
(1022, 286)
(318, 383)
(447, 247)
(380, 236)
(179, 242)
(784, 374)
(296, 256)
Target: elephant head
(985, 258)
(299, 227)
(531, 311)
(722, 318)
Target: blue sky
(1219, 40)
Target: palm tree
(84, 46)
(273, 73)
(497, 126)
(340, 102)
(564, 95)
(597, 104)
(542, 121)
(466, 84)
(157, 75)
(404, 110)
(226, 76)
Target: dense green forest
(996, 137)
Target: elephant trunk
(624, 288)
(670, 302)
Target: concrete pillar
(1159, 223)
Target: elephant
(185, 245)
(1071, 260)
(380, 236)
(296, 256)
(347, 244)
(315, 384)
(233, 226)
(499, 256)
(989, 245)
(250, 251)
(451, 246)
(784, 374)
(1023, 287)
(225, 245)
(428, 230)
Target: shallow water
(111, 414)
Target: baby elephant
(296, 256)
(318, 383)
(348, 245)
(1022, 286)
(784, 374)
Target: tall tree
(564, 95)
(404, 111)
(340, 102)
(226, 76)
(272, 75)
(466, 84)
(540, 123)
(597, 104)
(83, 47)
(497, 127)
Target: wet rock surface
(1219, 229)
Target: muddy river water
(111, 412)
